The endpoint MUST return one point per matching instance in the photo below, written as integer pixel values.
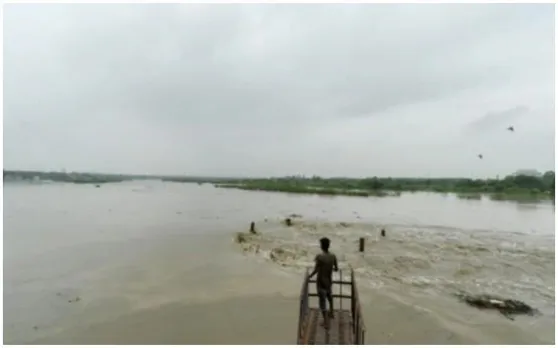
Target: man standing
(326, 263)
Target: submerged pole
(361, 244)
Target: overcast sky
(267, 90)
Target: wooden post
(252, 227)
(361, 244)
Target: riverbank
(518, 195)
(308, 190)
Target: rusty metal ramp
(347, 326)
(339, 333)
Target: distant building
(528, 172)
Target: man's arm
(335, 268)
(316, 266)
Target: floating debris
(254, 248)
(281, 256)
(77, 299)
(507, 307)
(245, 241)
(289, 219)
(276, 254)
(241, 237)
(344, 224)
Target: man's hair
(324, 243)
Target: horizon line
(258, 177)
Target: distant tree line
(518, 184)
(97, 178)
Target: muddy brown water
(150, 262)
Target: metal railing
(304, 308)
(356, 311)
(358, 327)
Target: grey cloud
(204, 88)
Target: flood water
(149, 262)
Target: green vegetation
(265, 185)
(514, 187)
(76, 178)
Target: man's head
(324, 243)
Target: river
(146, 262)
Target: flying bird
(480, 155)
(510, 128)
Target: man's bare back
(326, 263)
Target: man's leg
(330, 300)
(322, 295)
